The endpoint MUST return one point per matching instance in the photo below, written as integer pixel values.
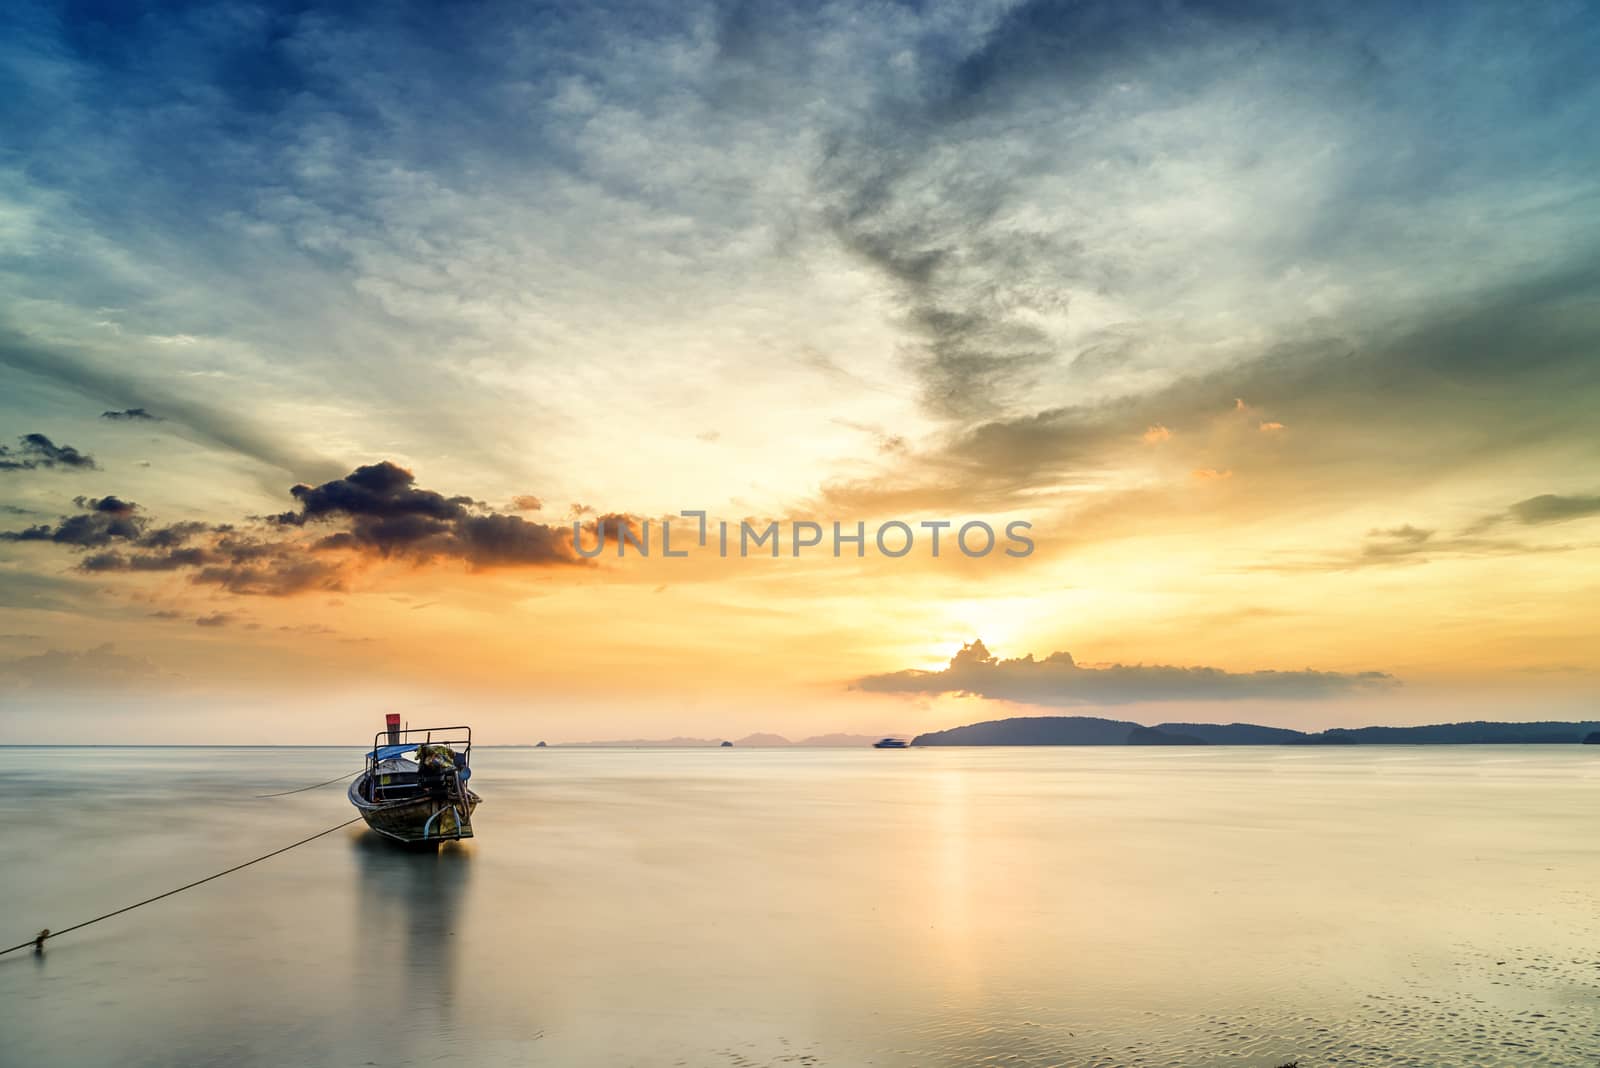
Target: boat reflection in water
(411, 905)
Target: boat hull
(417, 821)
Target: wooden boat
(414, 788)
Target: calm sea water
(1064, 906)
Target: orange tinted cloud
(1157, 434)
(1270, 427)
(1207, 474)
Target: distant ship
(889, 743)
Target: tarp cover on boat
(385, 752)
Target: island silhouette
(1092, 730)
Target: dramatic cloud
(377, 491)
(106, 521)
(1059, 680)
(1496, 404)
(388, 515)
(378, 512)
(38, 451)
(107, 505)
(1048, 257)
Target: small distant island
(1092, 730)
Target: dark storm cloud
(1059, 680)
(37, 451)
(131, 414)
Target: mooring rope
(38, 940)
(313, 786)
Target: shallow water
(1063, 906)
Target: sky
(321, 327)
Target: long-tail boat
(414, 788)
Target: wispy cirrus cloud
(1554, 508)
(1411, 544)
(99, 668)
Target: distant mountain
(1234, 733)
(840, 741)
(762, 741)
(834, 741)
(1034, 730)
(645, 743)
(1090, 730)
(1474, 733)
